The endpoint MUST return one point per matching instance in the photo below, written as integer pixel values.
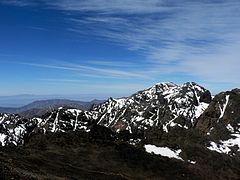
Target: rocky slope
(77, 155)
(221, 122)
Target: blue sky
(101, 48)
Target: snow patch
(222, 110)
(200, 109)
(74, 111)
(2, 139)
(219, 148)
(138, 118)
(230, 128)
(209, 132)
(192, 162)
(120, 102)
(224, 146)
(134, 141)
(163, 151)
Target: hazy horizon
(20, 100)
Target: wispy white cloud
(110, 7)
(21, 3)
(93, 71)
(112, 63)
(62, 80)
(198, 38)
(37, 28)
(183, 36)
(222, 66)
(115, 89)
(97, 76)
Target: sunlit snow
(222, 110)
(224, 146)
(2, 139)
(163, 151)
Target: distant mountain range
(16, 101)
(197, 134)
(38, 108)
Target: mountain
(180, 126)
(165, 104)
(38, 108)
(21, 100)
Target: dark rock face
(98, 132)
(221, 122)
(206, 97)
(224, 109)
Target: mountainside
(221, 122)
(182, 123)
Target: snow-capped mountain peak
(160, 105)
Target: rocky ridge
(164, 105)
